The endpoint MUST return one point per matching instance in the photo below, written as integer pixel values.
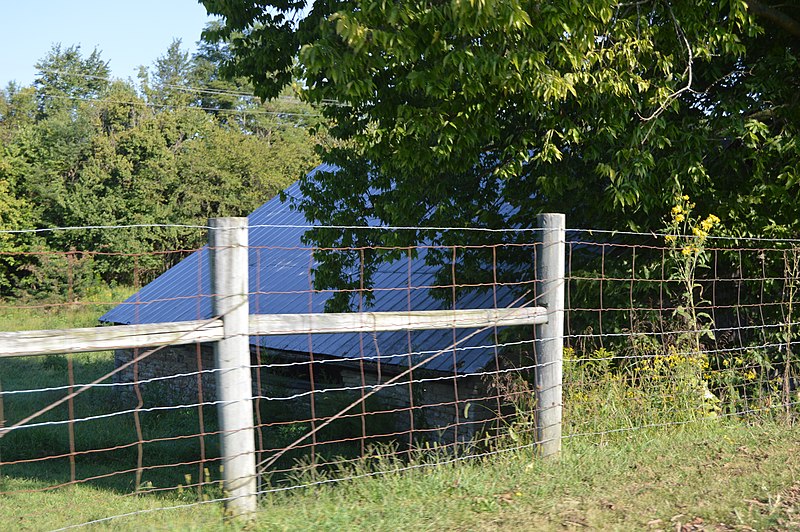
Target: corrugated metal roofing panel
(280, 268)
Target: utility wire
(204, 90)
(168, 106)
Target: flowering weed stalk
(686, 237)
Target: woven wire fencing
(658, 331)
(672, 329)
(63, 419)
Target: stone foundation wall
(168, 376)
(442, 410)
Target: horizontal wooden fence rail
(46, 342)
(86, 339)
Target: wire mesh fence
(659, 330)
(673, 328)
(62, 420)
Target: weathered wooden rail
(45, 342)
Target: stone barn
(446, 401)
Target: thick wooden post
(229, 283)
(550, 336)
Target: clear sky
(128, 33)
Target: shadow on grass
(158, 446)
(169, 445)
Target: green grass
(116, 433)
(33, 315)
(710, 471)
(726, 472)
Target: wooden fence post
(228, 242)
(550, 336)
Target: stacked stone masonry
(440, 409)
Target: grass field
(719, 475)
(117, 433)
(715, 474)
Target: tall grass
(720, 473)
(17, 315)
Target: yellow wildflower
(750, 375)
(699, 232)
(687, 250)
(685, 197)
(709, 222)
(679, 218)
(669, 238)
(677, 209)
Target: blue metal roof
(280, 268)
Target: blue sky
(128, 33)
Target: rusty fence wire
(659, 330)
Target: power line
(168, 106)
(204, 90)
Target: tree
(483, 113)
(79, 149)
(15, 214)
(219, 93)
(171, 75)
(18, 109)
(66, 78)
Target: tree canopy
(80, 149)
(449, 110)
